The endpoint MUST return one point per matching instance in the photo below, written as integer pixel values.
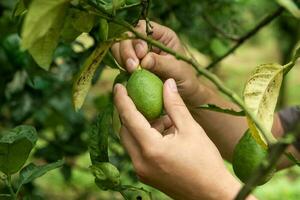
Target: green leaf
(43, 49)
(41, 16)
(41, 29)
(215, 108)
(98, 136)
(69, 33)
(110, 6)
(134, 193)
(82, 21)
(107, 176)
(116, 123)
(291, 6)
(110, 61)
(83, 82)
(31, 172)
(115, 30)
(122, 78)
(292, 158)
(15, 147)
(20, 8)
(260, 96)
(103, 30)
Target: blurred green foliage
(30, 95)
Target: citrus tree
(47, 73)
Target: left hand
(173, 153)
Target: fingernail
(172, 85)
(131, 64)
(116, 87)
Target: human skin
(181, 161)
(173, 153)
(131, 53)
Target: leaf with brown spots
(83, 81)
(260, 96)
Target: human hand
(173, 153)
(131, 53)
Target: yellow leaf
(83, 82)
(260, 96)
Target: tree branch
(219, 30)
(268, 19)
(145, 11)
(275, 152)
(212, 77)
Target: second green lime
(146, 91)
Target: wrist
(230, 187)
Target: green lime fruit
(146, 91)
(247, 156)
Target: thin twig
(130, 6)
(144, 15)
(220, 31)
(268, 19)
(10, 187)
(267, 165)
(190, 54)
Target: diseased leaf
(215, 108)
(83, 82)
(15, 147)
(260, 96)
(98, 136)
(31, 172)
(291, 6)
(107, 176)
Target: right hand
(131, 53)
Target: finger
(128, 56)
(163, 66)
(163, 34)
(115, 49)
(174, 105)
(134, 121)
(130, 144)
(140, 47)
(162, 123)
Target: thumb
(161, 65)
(174, 105)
